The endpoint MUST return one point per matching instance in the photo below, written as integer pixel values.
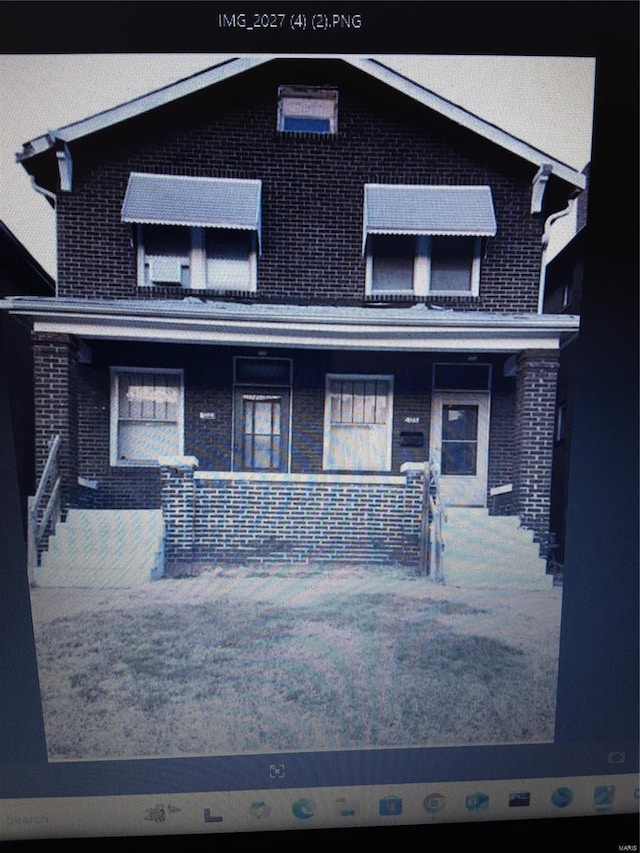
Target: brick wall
(239, 519)
(312, 204)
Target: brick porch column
(55, 405)
(414, 473)
(537, 372)
(179, 507)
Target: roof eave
(231, 67)
(137, 106)
(467, 119)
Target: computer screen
(319, 428)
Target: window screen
(393, 260)
(451, 264)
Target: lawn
(239, 663)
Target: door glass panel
(459, 440)
(265, 453)
(261, 433)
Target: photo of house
(289, 289)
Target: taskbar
(321, 808)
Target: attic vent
(304, 109)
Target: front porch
(297, 452)
(282, 522)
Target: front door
(261, 429)
(460, 445)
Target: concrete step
(492, 551)
(104, 548)
(85, 524)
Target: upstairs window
(420, 266)
(197, 233)
(303, 109)
(196, 258)
(425, 240)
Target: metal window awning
(458, 211)
(198, 202)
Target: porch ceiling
(418, 328)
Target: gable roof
(232, 67)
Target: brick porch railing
(231, 517)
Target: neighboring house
(563, 295)
(20, 275)
(284, 284)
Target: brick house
(283, 284)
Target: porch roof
(193, 320)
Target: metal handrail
(433, 516)
(439, 516)
(42, 522)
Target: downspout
(546, 236)
(47, 193)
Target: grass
(233, 675)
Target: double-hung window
(147, 408)
(196, 258)
(425, 240)
(195, 233)
(358, 423)
(400, 264)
